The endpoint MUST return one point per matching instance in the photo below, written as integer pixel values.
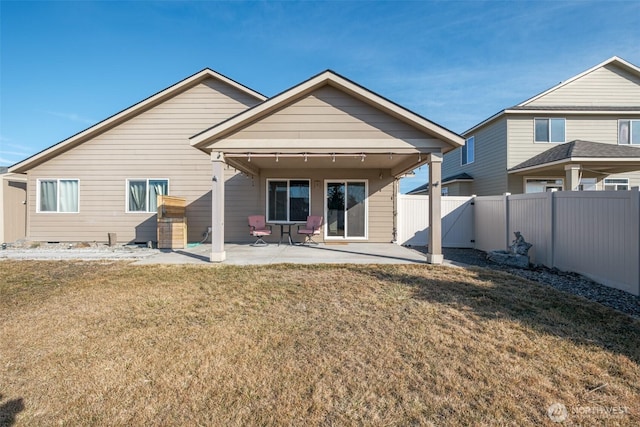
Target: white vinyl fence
(594, 233)
(457, 221)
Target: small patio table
(282, 225)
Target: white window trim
(548, 178)
(288, 180)
(462, 163)
(549, 130)
(126, 193)
(604, 183)
(366, 209)
(630, 131)
(57, 211)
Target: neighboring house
(582, 134)
(327, 146)
(458, 184)
(13, 206)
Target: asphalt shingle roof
(582, 149)
(460, 176)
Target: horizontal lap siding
(488, 169)
(606, 86)
(329, 113)
(154, 144)
(251, 199)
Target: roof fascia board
(457, 180)
(612, 60)
(329, 78)
(496, 116)
(126, 114)
(581, 112)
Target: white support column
(572, 179)
(217, 208)
(434, 255)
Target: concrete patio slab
(245, 254)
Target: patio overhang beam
(277, 156)
(410, 164)
(242, 167)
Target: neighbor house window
(587, 184)
(288, 200)
(629, 132)
(142, 194)
(541, 185)
(616, 184)
(549, 130)
(58, 195)
(469, 151)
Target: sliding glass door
(346, 209)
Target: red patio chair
(311, 228)
(258, 228)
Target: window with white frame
(469, 150)
(58, 195)
(142, 194)
(541, 185)
(288, 200)
(628, 131)
(616, 184)
(549, 130)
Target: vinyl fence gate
(457, 221)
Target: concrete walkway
(245, 254)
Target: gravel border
(569, 282)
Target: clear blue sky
(67, 65)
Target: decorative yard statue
(516, 256)
(520, 246)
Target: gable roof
(339, 82)
(613, 60)
(127, 114)
(523, 107)
(579, 151)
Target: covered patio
(327, 137)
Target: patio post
(572, 173)
(217, 208)
(434, 254)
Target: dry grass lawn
(115, 344)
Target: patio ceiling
(398, 164)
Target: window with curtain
(288, 200)
(142, 194)
(58, 195)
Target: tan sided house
(582, 134)
(327, 146)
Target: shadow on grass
(9, 410)
(500, 295)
